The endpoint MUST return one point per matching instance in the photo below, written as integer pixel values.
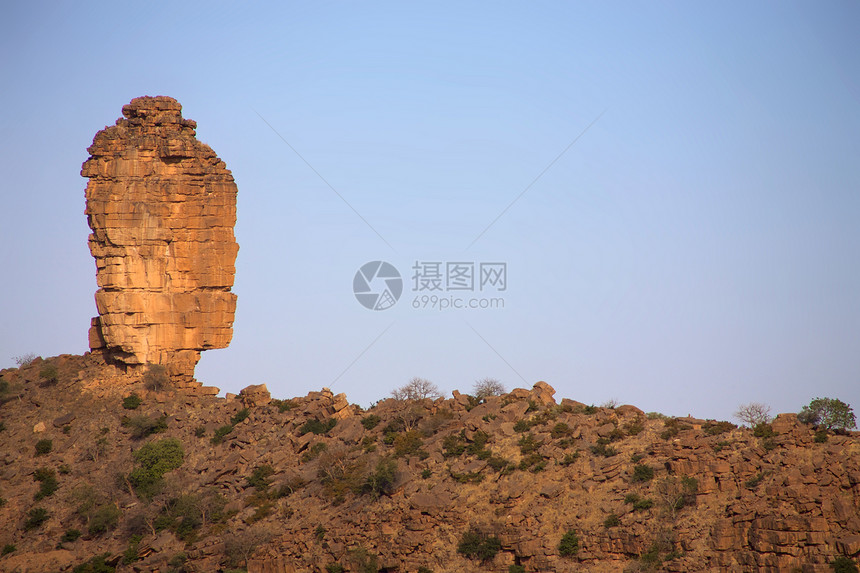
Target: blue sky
(695, 248)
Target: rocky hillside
(104, 471)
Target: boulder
(161, 206)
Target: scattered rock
(255, 395)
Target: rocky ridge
(315, 483)
(162, 207)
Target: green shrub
(639, 503)
(716, 428)
(155, 378)
(720, 446)
(220, 433)
(185, 514)
(240, 416)
(7, 549)
(560, 430)
(44, 447)
(467, 477)
(828, 412)
(130, 555)
(407, 443)
(381, 480)
(569, 544)
(177, 562)
(675, 494)
(820, 436)
(199, 431)
(642, 473)
(843, 565)
(143, 426)
(334, 568)
(589, 410)
(634, 428)
(48, 483)
(425, 474)
(516, 569)
(36, 517)
(96, 564)
(763, 430)
(529, 444)
(476, 545)
(569, 459)
(154, 460)
(500, 464)
(370, 421)
(131, 402)
(672, 427)
(2, 425)
(477, 447)
(104, 519)
(643, 504)
(521, 426)
(611, 521)
(651, 557)
(755, 481)
(425, 570)
(70, 535)
(283, 405)
(453, 445)
(49, 373)
(313, 452)
(259, 478)
(364, 561)
(317, 427)
(603, 450)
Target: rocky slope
(186, 481)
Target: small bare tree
(156, 378)
(333, 464)
(753, 414)
(612, 403)
(239, 546)
(487, 387)
(676, 493)
(417, 389)
(25, 359)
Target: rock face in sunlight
(162, 207)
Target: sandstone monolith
(162, 207)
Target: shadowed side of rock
(162, 207)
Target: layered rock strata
(162, 207)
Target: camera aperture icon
(377, 285)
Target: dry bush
(487, 387)
(417, 389)
(753, 414)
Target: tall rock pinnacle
(162, 207)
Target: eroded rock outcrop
(162, 207)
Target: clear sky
(695, 248)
